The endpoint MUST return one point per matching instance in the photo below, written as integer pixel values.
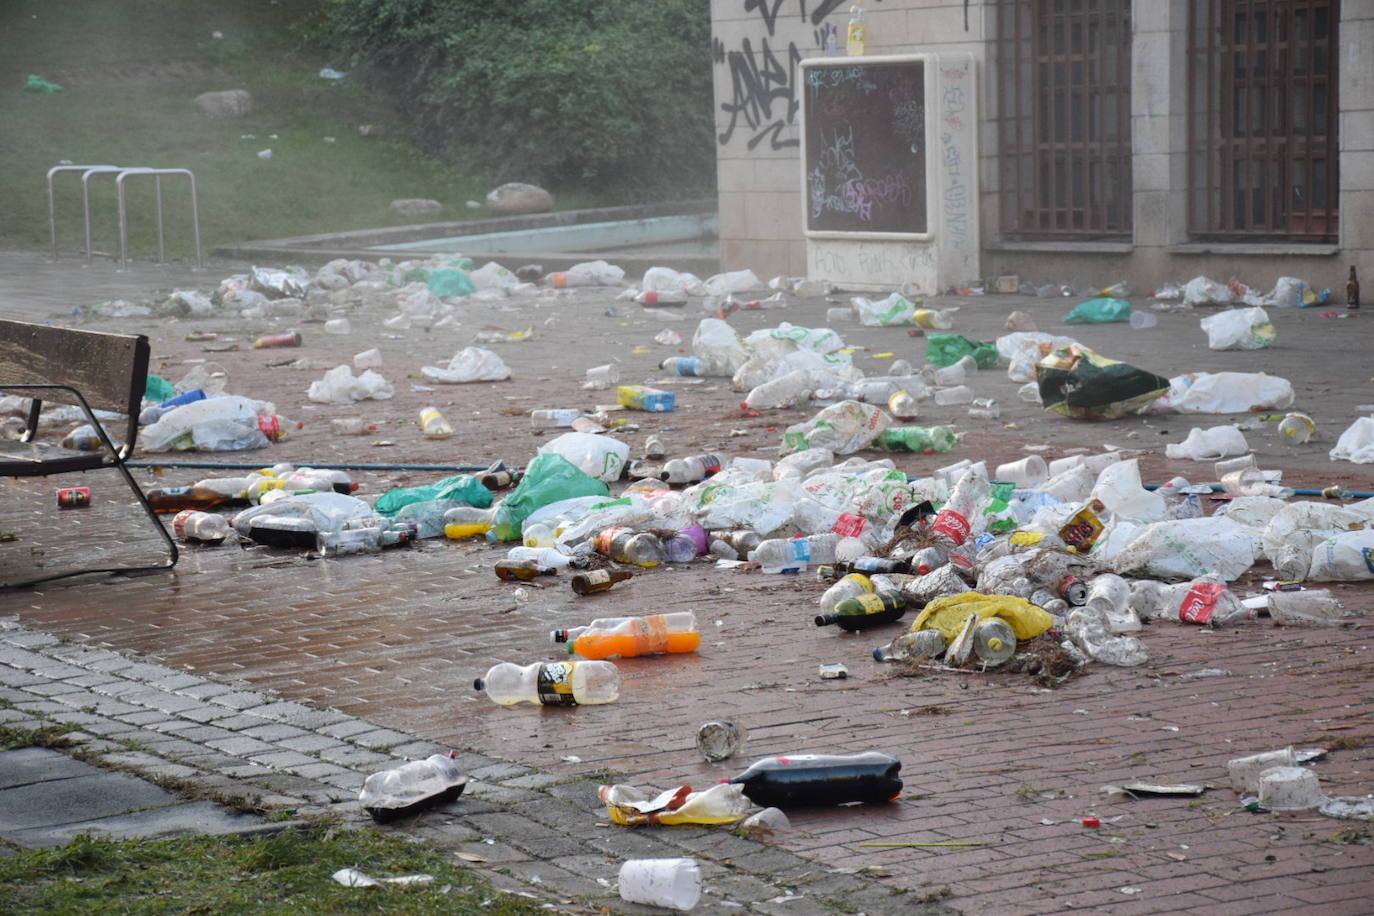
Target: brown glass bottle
(175, 499)
(598, 580)
(522, 570)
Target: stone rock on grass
(232, 103)
(515, 198)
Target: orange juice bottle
(630, 636)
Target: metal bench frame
(30, 355)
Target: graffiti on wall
(763, 100)
(956, 197)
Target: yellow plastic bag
(723, 803)
(949, 613)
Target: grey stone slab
(346, 728)
(319, 770)
(161, 699)
(81, 798)
(200, 817)
(499, 772)
(304, 716)
(237, 722)
(91, 680)
(274, 732)
(239, 746)
(180, 682)
(141, 717)
(55, 670)
(28, 639)
(15, 715)
(13, 677)
(239, 699)
(43, 707)
(30, 765)
(205, 690)
(311, 743)
(381, 739)
(283, 760)
(62, 689)
(418, 750)
(356, 758)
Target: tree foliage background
(601, 95)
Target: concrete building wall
(758, 109)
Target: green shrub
(607, 95)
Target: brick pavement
(396, 639)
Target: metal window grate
(1262, 119)
(1064, 118)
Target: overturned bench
(90, 370)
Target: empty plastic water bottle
(434, 424)
(577, 683)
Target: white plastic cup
(602, 376)
(1231, 465)
(1245, 482)
(368, 359)
(1141, 320)
(1068, 463)
(347, 426)
(671, 883)
(1028, 472)
(338, 326)
(1298, 428)
(1289, 788)
(1245, 771)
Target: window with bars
(1064, 118)
(1262, 119)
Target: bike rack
(124, 214)
(52, 202)
(120, 173)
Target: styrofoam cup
(671, 883)
(1028, 472)
(1245, 771)
(1289, 789)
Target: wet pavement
(989, 759)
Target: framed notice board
(864, 156)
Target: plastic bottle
(194, 525)
(721, 804)
(866, 565)
(821, 779)
(412, 787)
(690, 469)
(576, 683)
(850, 586)
(1201, 601)
(654, 448)
(434, 424)
(598, 580)
(920, 439)
(794, 554)
(624, 545)
(150, 415)
(994, 642)
(864, 611)
(468, 522)
(369, 539)
(522, 570)
(960, 516)
(501, 478)
(954, 374)
(549, 557)
(629, 637)
(912, 645)
(783, 391)
(680, 549)
(933, 319)
(1112, 594)
(856, 34)
(959, 394)
(684, 365)
(927, 560)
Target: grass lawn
(130, 72)
(288, 873)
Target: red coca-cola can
(1073, 590)
(279, 340)
(73, 497)
(271, 427)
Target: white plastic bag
(716, 343)
(1202, 291)
(471, 364)
(1223, 392)
(843, 428)
(595, 455)
(735, 281)
(1298, 528)
(1208, 444)
(667, 280)
(1190, 548)
(1120, 489)
(759, 507)
(894, 310)
(1287, 292)
(1344, 557)
(1356, 443)
(339, 386)
(1239, 329)
(212, 424)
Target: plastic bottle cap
(1091, 822)
(479, 684)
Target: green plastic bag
(444, 283)
(463, 487)
(36, 83)
(548, 479)
(947, 349)
(1077, 382)
(158, 389)
(1100, 311)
